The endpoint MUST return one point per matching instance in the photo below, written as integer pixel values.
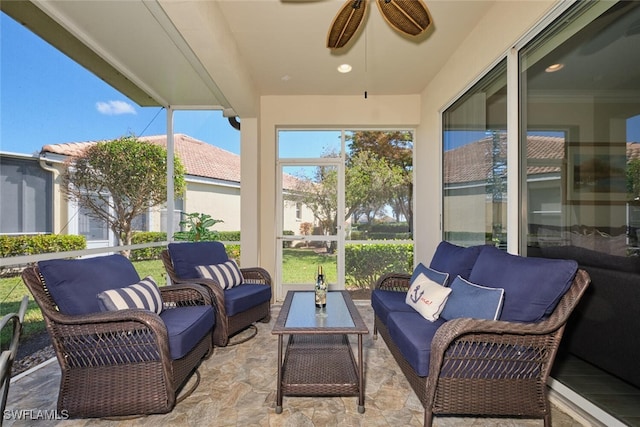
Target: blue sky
(46, 98)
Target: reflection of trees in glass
(633, 178)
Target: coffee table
(318, 359)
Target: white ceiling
(228, 53)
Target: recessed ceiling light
(344, 68)
(554, 67)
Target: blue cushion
(532, 286)
(243, 297)
(412, 334)
(437, 276)
(470, 300)
(385, 302)
(455, 260)
(186, 326)
(75, 283)
(186, 256)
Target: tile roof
(468, 163)
(198, 157)
(472, 162)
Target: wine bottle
(321, 289)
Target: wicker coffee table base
(319, 365)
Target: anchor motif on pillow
(416, 297)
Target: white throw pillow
(144, 294)
(427, 297)
(227, 274)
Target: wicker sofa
(481, 367)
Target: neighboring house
(25, 207)
(471, 169)
(32, 201)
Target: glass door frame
(339, 238)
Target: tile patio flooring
(238, 388)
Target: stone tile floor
(238, 388)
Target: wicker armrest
(110, 338)
(256, 275)
(393, 282)
(185, 294)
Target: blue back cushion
(455, 260)
(437, 276)
(74, 284)
(532, 286)
(187, 256)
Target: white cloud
(113, 108)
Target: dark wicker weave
(318, 360)
(486, 367)
(118, 363)
(226, 326)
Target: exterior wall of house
(219, 201)
(494, 35)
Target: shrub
(40, 244)
(147, 237)
(364, 264)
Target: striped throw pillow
(226, 274)
(144, 294)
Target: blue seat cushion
(243, 297)
(186, 326)
(412, 334)
(385, 302)
(532, 286)
(187, 256)
(74, 284)
(455, 260)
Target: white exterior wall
(221, 202)
(489, 42)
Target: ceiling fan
(410, 17)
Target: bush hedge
(365, 263)
(40, 244)
(147, 237)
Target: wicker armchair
(237, 308)
(487, 367)
(122, 363)
(13, 321)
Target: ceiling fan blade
(410, 17)
(346, 23)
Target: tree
(118, 180)
(396, 149)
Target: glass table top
(304, 314)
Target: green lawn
(301, 266)
(12, 290)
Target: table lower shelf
(319, 365)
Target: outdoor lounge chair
(7, 357)
(237, 307)
(115, 360)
